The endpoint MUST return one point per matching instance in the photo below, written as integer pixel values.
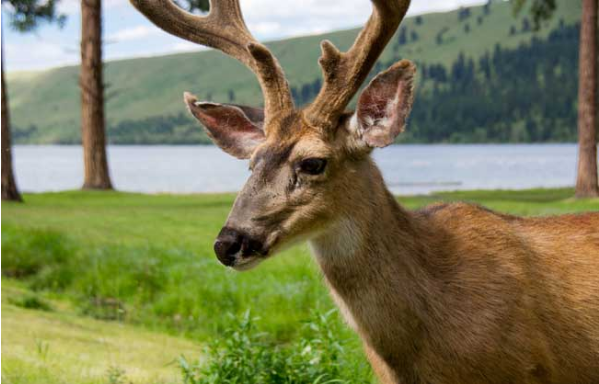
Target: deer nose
(232, 244)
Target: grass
(139, 270)
(149, 87)
(62, 347)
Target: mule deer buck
(453, 293)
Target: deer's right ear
(236, 130)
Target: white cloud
(276, 19)
(185, 46)
(266, 27)
(134, 33)
(38, 54)
(73, 7)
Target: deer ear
(384, 105)
(237, 130)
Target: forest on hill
(514, 85)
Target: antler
(344, 72)
(224, 29)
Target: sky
(128, 34)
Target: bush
(244, 355)
(32, 252)
(30, 301)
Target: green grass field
(114, 287)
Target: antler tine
(344, 72)
(224, 29)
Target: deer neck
(374, 261)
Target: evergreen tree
(587, 183)
(487, 8)
(25, 16)
(402, 38)
(525, 25)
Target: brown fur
(456, 293)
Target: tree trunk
(586, 183)
(92, 98)
(9, 186)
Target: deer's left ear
(384, 105)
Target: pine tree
(25, 16)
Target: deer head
(308, 165)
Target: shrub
(29, 252)
(245, 356)
(30, 301)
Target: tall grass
(163, 288)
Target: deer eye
(313, 166)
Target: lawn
(111, 287)
(57, 345)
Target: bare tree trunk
(586, 183)
(92, 98)
(9, 186)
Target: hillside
(144, 95)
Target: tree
(439, 37)
(525, 25)
(542, 10)
(402, 38)
(9, 185)
(586, 181)
(25, 16)
(93, 135)
(93, 123)
(487, 8)
(463, 14)
(93, 130)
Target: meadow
(109, 287)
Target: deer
(451, 293)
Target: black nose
(230, 242)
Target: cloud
(267, 30)
(185, 46)
(38, 54)
(73, 7)
(133, 33)
(276, 19)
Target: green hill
(144, 95)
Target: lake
(408, 169)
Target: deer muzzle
(235, 248)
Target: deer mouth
(247, 263)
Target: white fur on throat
(340, 241)
(339, 245)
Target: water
(408, 169)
